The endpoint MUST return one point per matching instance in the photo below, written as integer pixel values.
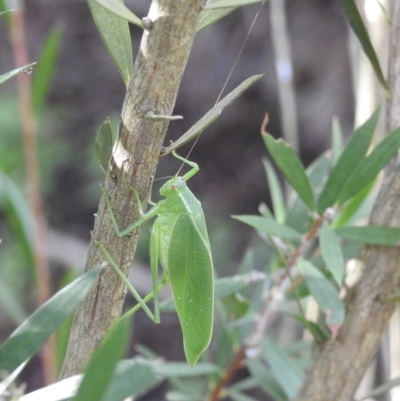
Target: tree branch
(157, 74)
(339, 367)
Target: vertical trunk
(157, 74)
(339, 367)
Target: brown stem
(157, 74)
(28, 122)
(337, 370)
(230, 372)
(268, 309)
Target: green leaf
(8, 380)
(236, 306)
(224, 342)
(337, 140)
(34, 332)
(208, 17)
(45, 68)
(290, 165)
(298, 215)
(179, 369)
(323, 291)
(235, 395)
(122, 386)
(285, 369)
(12, 195)
(358, 27)
(114, 32)
(63, 390)
(212, 115)
(103, 144)
(266, 380)
(319, 333)
(348, 210)
(11, 303)
(229, 285)
(332, 252)
(229, 3)
(270, 227)
(372, 235)
(370, 166)
(12, 73)
(117, 8)
(278, 201)
(351, 157)
(101, 367)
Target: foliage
(310, 238)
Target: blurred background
(313, 72)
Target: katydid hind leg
(126, 281)
(145, 217)
(154, 259)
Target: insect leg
(192, 171)
(147, 216)
(155, 244)
(125, 280)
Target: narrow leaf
(229, 3)
(122, 386)
(358, 27)
(269, 226)
(103, 144)
(235, 305)
(12, 73)
(290, 165)
(337, 140)
(229, 285)
(372, 235)
(349, 210)
(332, 252)
(285, 369)
(235, 395)
(63, 390)
(45, 68)
(324, 292)
(298, 215)
(117, 8)
(278, 201)
(266, 380)
(114, 32)
(370, 166)
(320, 333)
(11, 303)
(103, 363)
(350, 158)
(208, 17)
(34, 332)
(212, 115)
(180, 369)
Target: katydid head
(173, 186)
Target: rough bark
(157, 74)
(339, 367)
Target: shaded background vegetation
(86, 88)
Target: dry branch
(339, 367)
(157, 74)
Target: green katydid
(179, 240)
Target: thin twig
(28, 123)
